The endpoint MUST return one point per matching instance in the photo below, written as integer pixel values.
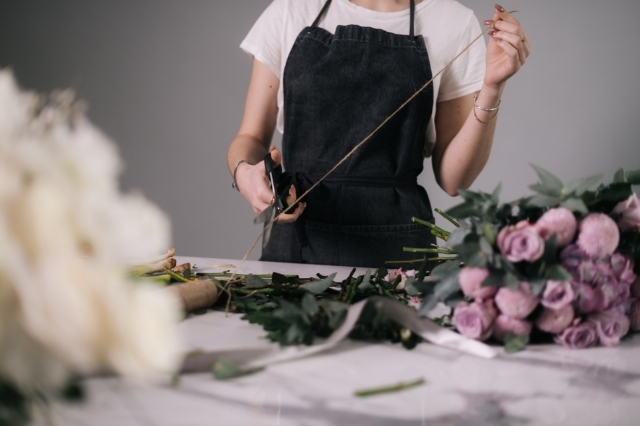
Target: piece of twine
(354, 149)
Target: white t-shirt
(446, 25)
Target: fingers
(276, 156)
(292, 216)
(506, 28)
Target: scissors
(268, 215)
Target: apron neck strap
(412, 13)
(322, 12)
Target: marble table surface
(544, 385)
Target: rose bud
(557, 294)
(516, 304)
(559, 222)
(611, 325)
(475, 320)
(555, 321)
(471, 279)
(630, 211)
(505, 324)
(583, 335)
(520, 242)
(599, 235)
(634, 316)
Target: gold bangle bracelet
(234, 184)
(484, 122)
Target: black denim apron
(337, 89)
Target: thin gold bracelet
(234, 184)
(476, 106)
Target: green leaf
(578, 187)
(575, 205)
(445, 268)
(317, 287)
(489, 233)
(471, 195)
(224, 369)
(511, 281)
(545, 190)
(542, 201)
(463, 211)
(513, 343)
(495, 195)
(494, 279)
(310, 304)
(537, 285)
(614, 192)
(619, 176)
(254, 281)
(633, 177)
(281, 279)
(442, 291)
(547, 179)
(557, 273)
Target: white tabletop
(543, 385)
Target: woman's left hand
(508, 48)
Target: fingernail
(488, 22)
(498, 7)
(492, 33)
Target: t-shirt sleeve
(264, 40)
(466, 74)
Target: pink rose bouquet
(562, 265)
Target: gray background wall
(166, 80)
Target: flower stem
(386, 389)
(176, 276)
(440, 232)
(426, 250)
(449, 218)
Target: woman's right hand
(253, 183)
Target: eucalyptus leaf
(494, 279)
(633, 177)
(542, 201)
(254, 282)
(485, 246)
(614, 192)
(309, 304)
(442, 291)
(537, 285)
(471, 195)
(618, 176)
(445, 268)
(545, 190)
(317, 287)
(578, 187)
(547, 179)
(457, 237)
(575, 205)
(495, 195)
(281, 279)
(511, 281)
(513, 343)
(463, 211)
(557, 273)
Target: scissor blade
(269, 226)
(264, 215)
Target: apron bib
(337, 89)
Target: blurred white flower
(67, 303)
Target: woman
(328, 73)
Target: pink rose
(634, 316)
(520, 242)
(583, 335)
(557, 294)
(516, 304)
(471, 279)
(630, 211)
(559, 222)
(611, 325)
(599, 235)
(475, 320)
(395, 273)
(555, 321)
(505, 324)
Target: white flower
(67, 303)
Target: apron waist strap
(379, 181)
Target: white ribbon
(248, 359)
